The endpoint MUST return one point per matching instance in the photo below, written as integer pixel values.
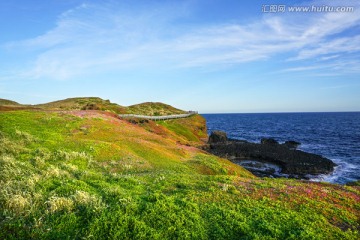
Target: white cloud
(93, 38)
(326, 47)
(341, 86)
(325, 58)
(299, 69)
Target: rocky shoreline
(269, 158)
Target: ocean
(332, 135)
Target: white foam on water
(260, 166)
(257, 165)
(338, 174)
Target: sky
(213, 56)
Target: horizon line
(350, 111)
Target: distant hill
(7, 102)
(153, 109)
(84, 103)
(95, 103)
(8, 105)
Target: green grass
(7, 102)
(153, 109)
(191, 129)
(95, 103)
(93, 176)
(85, 103)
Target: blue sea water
(332, 135)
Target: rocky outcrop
(217, 137)
(293, 162)
(293, 145)
(269, 141)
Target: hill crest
(96, 103)
(7, 102)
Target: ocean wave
(342, 173)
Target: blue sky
(205, 55)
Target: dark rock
(293, 145)
(293, 162)
(217, 137)
(269, 141)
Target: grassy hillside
(153, 109)
(85, 103)
(191, 129)
(8, 105)
(95, 103)
(87, 174)
(7, 102)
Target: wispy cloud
(300, 69)
(330, 57)
(327, 47)
(341, 86)
(323, 68)
(94, 38)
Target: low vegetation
(153, 109)
(95, 103)
(7, 102)
(191, 129)
(86, 103)
(87, 174)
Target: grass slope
(87, 174)
(153, 109)
(95, 103)
(190, 130)
(7, 102)
(85, 103)
(8, 105)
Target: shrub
(60, 204)
(17, 204)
